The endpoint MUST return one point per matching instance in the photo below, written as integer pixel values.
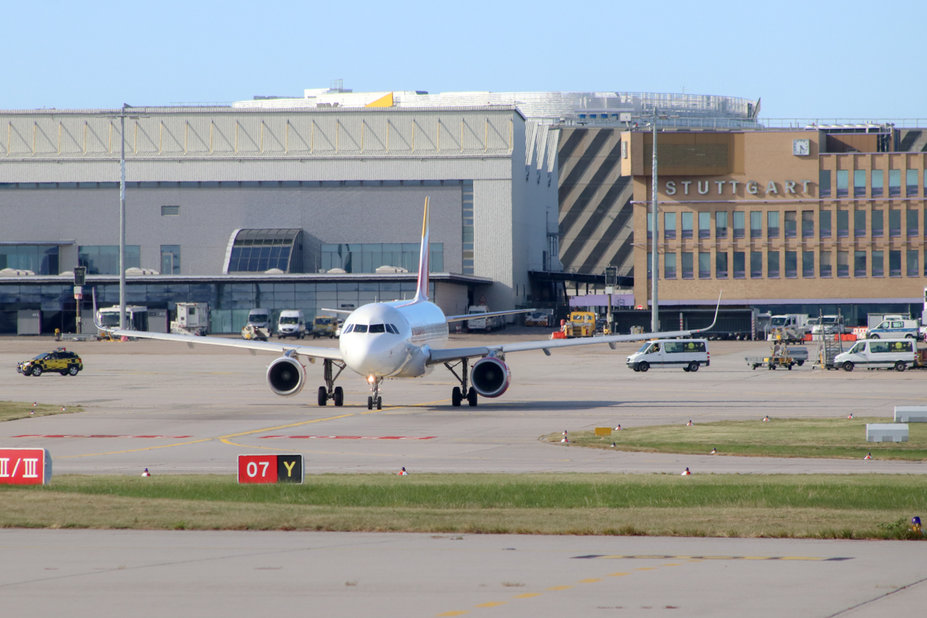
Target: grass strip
(815, 438)
(800, 506)
(14, 410)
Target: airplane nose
(378, 355)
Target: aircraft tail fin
(421, 291)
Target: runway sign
(270, 468)
(25, 466)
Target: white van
(260, 318)
(686, 353)
(291, 323)
(871, 353)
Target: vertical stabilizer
(421, 291)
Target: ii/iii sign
(270, 468)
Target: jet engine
(286, 376)
(490, 376)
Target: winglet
(421, 291)
(717, 308)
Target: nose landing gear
(374, 399)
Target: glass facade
(40, 259)
(104, 259)
(367, 257)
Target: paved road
(179, 410)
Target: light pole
(654, 261)
(122, 219)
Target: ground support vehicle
(192, 319)
(324, 326)
(255, 333)
(788, 328)
(578, 324)
(779, 356)
(487, 324)
(60, 360)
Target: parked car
(59, 360)
(537, 318)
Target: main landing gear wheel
(456, 397)
(471, 397)
(339, 396)
(323, 396)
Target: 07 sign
(270, 468)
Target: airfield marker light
(916, 524)
(850, 416)
(686, 472)
(146, 472)
(714, 451)
(565, 439)
(868, 456)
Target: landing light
(371, 379)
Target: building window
(859, 222)
(104, 259)
(721, 265)
(772, 265)
(756, 264)
(877, 183)
(739, 266)
(894, 183)
(686, 221)
(170, 210)
(843, 223)
(894, 263)
(739, 223)
(824, 217)
(878, 264)
(807, 264)
(807, 224)
(843, 263)
(825, 267)
(687, 265)
(894, 222)
(772, 224)
(721, 224)
(704, 265)
(756, 224)
(259, 250)
(910, 181)
(367, 257)
(669, 226)
(704, 225)
(791, 264)
(791, 224)
(649, 225)
(669, 266)
(859, 183)
(170, 259)
(824, 183)
(466, 213)
(912, 215)
(40, 259)
(843, 183)
(859, 263)
(914, 265)
(878, 223)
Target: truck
(108, 318)
(324, 326)
(488, 323)
(578, 324)
(291, 323)
(191, 319)
(788, 327)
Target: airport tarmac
(175, 410)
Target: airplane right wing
(254, 346)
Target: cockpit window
(392, 329)
(360, 328)
(347, 329)
(377, 328)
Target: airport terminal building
(315, 201)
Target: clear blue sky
(805, 59)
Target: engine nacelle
(490, 376)
(286, 376)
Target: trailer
(191, 319)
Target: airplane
(399, 339)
